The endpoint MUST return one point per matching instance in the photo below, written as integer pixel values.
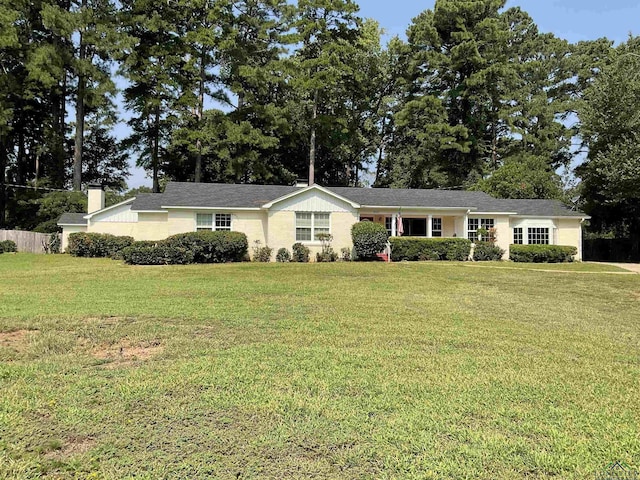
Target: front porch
(435, 224)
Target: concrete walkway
(632, 267)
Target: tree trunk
(79, 140)
(3, 193)
(155, 149)
(312, 141)
(199, 115)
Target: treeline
(264, 91)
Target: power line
(13, 185)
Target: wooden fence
(30, 242)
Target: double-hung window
(474, 224)
(210, 221)
(388, 224)
(436, 227)
(311, 224)
(538, 236)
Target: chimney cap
(95, 186)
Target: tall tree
(154, 66)
(610, 126)
(327, 30)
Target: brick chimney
(95, 194)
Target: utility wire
(13, 185)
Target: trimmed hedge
(487, 252)
(369, 239)
(283, 256)
(212, 247)
(419, 248)
(156, 253)
(8, 246)
(542, 253)
(96, 244)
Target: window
(436, 227)
(476, 223)
(538, 236)
(310, 224)
(388, 223)
(517, 236)
(414, 227)
(209, 221)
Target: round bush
(283, 256)
(8, 246)
(369, 239)
(300, 253)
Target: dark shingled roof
(181, 194)
(72, 219)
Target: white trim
(495, 213)
(149, 211)
(223, 209)
(313, 227)
(435, 209)
(72, 224)
(307, 189)
(128, 200)
(213, 222)
(586, 217)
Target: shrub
(326, 254)
(300, 253)
(1, 249)
(96, 244)
(418, 248)
(53, 244)
(8, 246)
(261, 254)
(369, 239)
(345, 253)
(283, 256)
(486, 252)
(156, 253)
(212, 247)
(542, 253)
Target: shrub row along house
(279, 216)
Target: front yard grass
(337, 371)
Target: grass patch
(412, 371)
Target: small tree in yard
(369, 239)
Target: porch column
(394, 229)
(465, 227)
(429, 226)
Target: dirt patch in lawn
(71, 447)
(126, 353)
(17, 340)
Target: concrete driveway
(632, 267)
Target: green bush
(345, 253)
(283, 256)
(262, 254)
(419, 248)
(300, 253)
(369, 239)
(96, 244)
(156, 253)
(487, 252)
(542, 253)
(8, 246)
(212, 247)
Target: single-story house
(279, 216)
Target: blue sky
(573, 20)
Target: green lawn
(336, 371)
